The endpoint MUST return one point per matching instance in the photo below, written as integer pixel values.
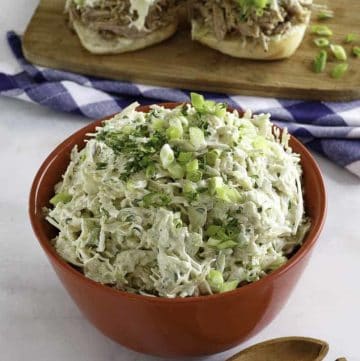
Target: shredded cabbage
(184, 202)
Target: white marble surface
(38, 321)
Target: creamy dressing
(141, 7)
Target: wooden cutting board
(181, 63)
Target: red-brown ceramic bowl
(176, 327)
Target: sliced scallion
(339, 52)
(350, 38)
(320, 62)
(321, 30)
(356, 51)
(227, 244)
(176, 170)
(325, 15)
(215, 279)
(185, 157)
(229, 286)
(194, 176)
(60, 198)
(339, 70)
(321, 42)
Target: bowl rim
(44, 241)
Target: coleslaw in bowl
(180, 202)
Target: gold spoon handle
(341, 359)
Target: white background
(38, 321)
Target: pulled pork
(224, 17)
(113, 18)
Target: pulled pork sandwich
(253, 29)
(118, 26)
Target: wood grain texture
(285, 349)
(179, 62)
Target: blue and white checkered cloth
(331, 129)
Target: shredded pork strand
(224, 18)
(114, 18)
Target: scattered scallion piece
(215, 279)
(174, 132)
(194, 176)
(320, 62)
(213, 242)
(192, 166)
(350, 38)
(321, 42)
(356, 51)
(176, 170)
(321, 30)
(227, 244)
(197, 100)
(156, 199)
(229, 286)
(60, 197)
(339, 52)
(212, 157)
(185, 157)
(339, 70)
(325, 15)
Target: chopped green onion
(217, 232)
(321, 42)
(185, 157)
(356, 51)
(260, 4)
(158, 123)
(214, 184)
(215, 279)
(207, 106)
(339, 70)
(127, 129)
(213, 229)
(197, 101)
(61, 198)
(194, 176)
(350, 38)
(229, 286)
(339, 52)
(228, 194)
(325, 15)
(227, 244)
(166, 155)
(150, 171)
(192, 166)
(213, 242)
(320, 62)
(156, 199)
(176, 170)
(212, 157)
(220, 110)
(174, 132)
(197, 138)
(322, 30)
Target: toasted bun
(280, 46)
(96, 44)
